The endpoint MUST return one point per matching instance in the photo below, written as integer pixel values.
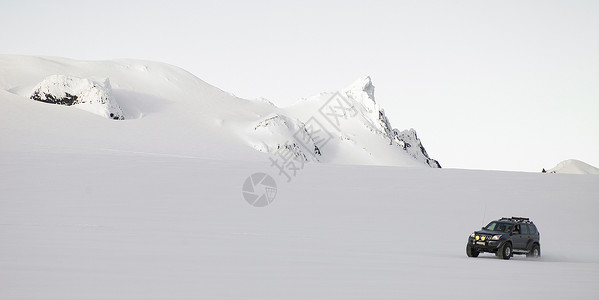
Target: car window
(524, 228)
(517, 229)
(491, 226)
(533, 229)
(499, 226)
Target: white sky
(507, 85)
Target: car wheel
(535, 251)
(471, 252)
(505, 251)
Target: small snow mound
(83, 93)
(573, 166)
(273, 120)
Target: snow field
(117, 225)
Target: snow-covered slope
(153, 207)
(113, 225)
(573, 166)
(168, 110)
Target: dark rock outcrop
(80, 92)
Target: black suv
(506, 237)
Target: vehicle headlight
(472, 235)
(482, 238)
(477, 237)
(496, 237)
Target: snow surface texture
(344, 127)
(115, 225)
(152, 207)
(573, 166)
(82, 93)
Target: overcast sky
(506, 85)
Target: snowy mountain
(190, 117)
(155, 206)
(348, 123)
(573, 166)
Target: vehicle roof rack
(517, 219)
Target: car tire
(505, 251)
(535, 251)
(471, 252)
